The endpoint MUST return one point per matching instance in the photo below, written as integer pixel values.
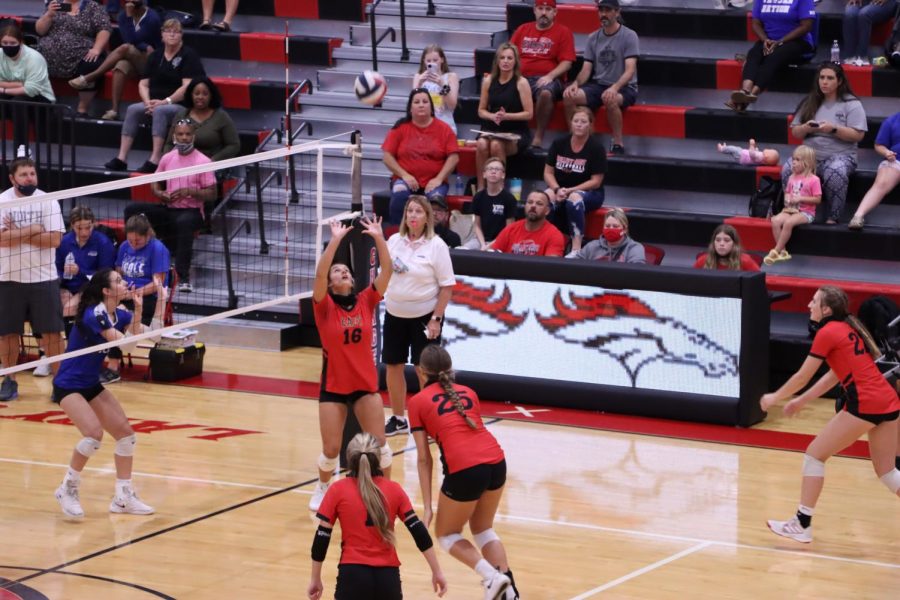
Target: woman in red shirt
(474, 472)
(344, 321)
(366, 504)
(871, 404)
(724, 252)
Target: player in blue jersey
(91, 407)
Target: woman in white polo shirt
(415, 301)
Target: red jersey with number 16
(461, 446)
(347, 361)
(843, 349)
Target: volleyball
(370, 87)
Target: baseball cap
(439, 200)
(550, 3)
(608, 3)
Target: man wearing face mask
(29, 284)
(23, 76)
(180, 210)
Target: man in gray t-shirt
(609, 73)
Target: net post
(356, 203)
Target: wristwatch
(437, 318)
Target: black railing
(47, 133)
(226, 242)
(404, 54)
(293, 101)
(432, 10)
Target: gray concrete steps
(450, 36)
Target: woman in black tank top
(505, 107)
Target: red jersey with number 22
(347, 361)
(461, 446)
(843, 349)
(361, 544)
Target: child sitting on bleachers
(803, 192)
(750, 155)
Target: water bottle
(515, 188)
(460, 185)
(70, 260)
(835, 52)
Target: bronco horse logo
(628, 330)
(501, 320)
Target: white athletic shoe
(129, 504)
(67, 495)
(495, 586)
(511, 594)
(318, 495)
(792, 529)
(42, 370)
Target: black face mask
(27, 190)
(346, 302)
(814, 326)
(11, 51)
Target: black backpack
(768, 199)
(876, 314)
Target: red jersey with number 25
(461, 446)
(361, 544)
(843, 349)
(347, 361)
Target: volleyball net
(239, 237)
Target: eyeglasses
(185, 121)
(420, 90)
(495, 169)
(173, 31)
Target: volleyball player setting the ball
(366, 504)
(871, 404)
(474, 472)
(345, 319)
(91, 407)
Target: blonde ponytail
(362, 457)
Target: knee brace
(891, 480)
(813, 467)
(485, 537)
(87, 446)
(125, 446)
(387, 457)
(327, 465)
(446, 542)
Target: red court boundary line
(682, 430)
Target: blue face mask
(27, 190)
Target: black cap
(609, 3)
(439, 200)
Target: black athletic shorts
(876, 419)
(402, 335)
(87, 393)
(326, 396)
(469, 484)
(363, 582)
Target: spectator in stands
(785, 36)
(608, 76)
(168, 73)
(859, 17)
(443, 84)
(494, 207)
(23, 76)
(441, 213)
(801, 195)
(420, 151)
(231, 7)
(724, 252)
(534, 235)
(887, 144)
(832, 121)
(547, 50)
(74, 43)
(90, 249)
(415, 301)
(505, 107)
(574, 171)
(180, 211)
(214, 132)
(143, 262)
(615, 245)
(751, 155)
(28, 282)
(140, 28)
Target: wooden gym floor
(590, 510)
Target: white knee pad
(485, 537)
(327, 465)
(446, 542)
(125, 446)
(87, 446)
(813, 467)
(891, 480)
(387, 457)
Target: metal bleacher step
(450, 34)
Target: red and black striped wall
(340, 10)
